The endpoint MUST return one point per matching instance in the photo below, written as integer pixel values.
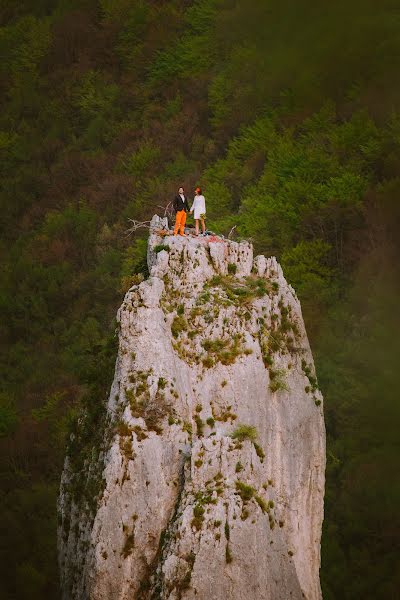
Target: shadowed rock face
(212, 468)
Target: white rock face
(210, 481)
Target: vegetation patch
(223, 414)
(129, 545)
(184, 584)
(129, 539)
(153, 411)
(199, 425)
(159, 247)
(259, 451)
(308, 372)
(263, 504)
(198, 516)
(248, 432)
(278, 380)
(239, 467)
(245, 491)
(245, 432)
(241, 293)
(125, 444)
(225, 351)
(179, 324)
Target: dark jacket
(179, 204)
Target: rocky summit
(205, 479)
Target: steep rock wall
(212, 470)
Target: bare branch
(137, 225)
(231, 232)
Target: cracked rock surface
(210, 474)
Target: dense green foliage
(287, 114)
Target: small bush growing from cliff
(276, 341)
(160, 247)
(262, 503)
(215, 346)
(208, 362)
(162, 383)
(198, 510)
(225, 351)
(245, 432)
(129, 545)
(217, 523)
(259, 451)
(185, 583)
(152, 411)
(308, 373)
(227, 530)
(277, 380)
(140, 433)
(198, 516)
(203, 298)
(187, 427)
(246, 492)
(257, 285)
(232, 268)
(199, 425)
(267, 358)
(240, 293)
(125, 444)
(179, 324)
(129, 280)
(123, 428)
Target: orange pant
(180, 221)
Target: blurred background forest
(287, 113)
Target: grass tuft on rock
(245, 432)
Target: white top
(199, 206)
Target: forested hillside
(288, 116)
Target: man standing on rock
(181, 207)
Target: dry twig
(137, 225)
(231, 232)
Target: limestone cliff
(209, 479)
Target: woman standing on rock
(199, 208)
